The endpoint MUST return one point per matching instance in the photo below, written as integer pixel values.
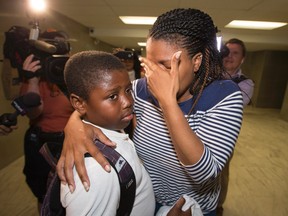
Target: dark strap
(29, 74)
(239, 79)
(52, 203)
(125, 175)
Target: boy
(100, 90)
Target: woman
(187, 119)
(46, 121)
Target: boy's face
(110, 104)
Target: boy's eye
(113, 97)
(129, 90)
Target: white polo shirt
(103, 196)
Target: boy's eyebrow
(117, 88)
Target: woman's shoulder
(140, 89)
(139, 83)
(221, 87)
(217, 91)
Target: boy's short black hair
(84, 70)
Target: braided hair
(193, 30)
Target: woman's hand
(32, 85)
(30, 65)
(163, 83)
(176, 210)
(79, 139)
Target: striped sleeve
(218, 132)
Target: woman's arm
(78, 141)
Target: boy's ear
(197, 61)
(78, 103)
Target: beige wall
(284, 108)
(11, 146)
(269, 70)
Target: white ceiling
(102, 16)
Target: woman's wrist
(167, 102)
(33, 81)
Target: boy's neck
(93, 124)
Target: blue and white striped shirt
(216, 121)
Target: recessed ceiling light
(244, 24)
(138, 20)
(142, 44)
(37, 5)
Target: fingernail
(178, 54)
(71, 188)
(107, 168)
(63, 182)
(86, 186)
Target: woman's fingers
(99, 157)
(60, 169)
(30, 65)
(175, 62)
(81, 170)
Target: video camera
(224, 51)
(123, 54)
(52, 53)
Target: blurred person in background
(232, 64)
(131, 61)
(47, 121)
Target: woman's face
(161, 52)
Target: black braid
(193, 30)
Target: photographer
(232, 62)
(47, 121)
(130, 60)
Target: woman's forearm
(188, 146)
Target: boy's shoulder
(126, 177)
